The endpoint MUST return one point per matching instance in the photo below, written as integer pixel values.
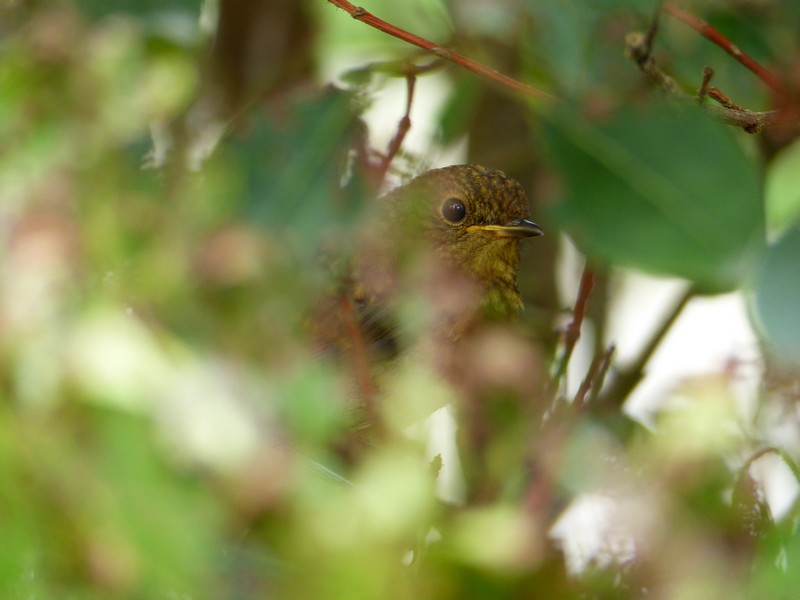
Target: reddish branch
(360, 14)
(402, 127)
(639, 49)
(584, 291)
(720, 40)
(573, 330)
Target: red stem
(367, 17)
(402, 128)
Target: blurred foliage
(168, 427)
(637, 197)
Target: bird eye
(453, 210)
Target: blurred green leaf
(571, 39)
(312, 405)
(782, 193)
(459, 108)
(565, 27)
(777, 296)
(99, 9)
(660, 189)
(170, 518)
(167, 429)
(776, 569)
(296, 165)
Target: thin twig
(579, 402)
(361, 14)
(751, 121)
(573, 331)
(708, 73)
(402, 127)
(601, 375)
(594, 378)
(724, 100)
(708, 32)
(628, 378)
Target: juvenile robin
(447, 243)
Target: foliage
(168, 427)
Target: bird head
(475, 218)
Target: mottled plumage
(482, 240)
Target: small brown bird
(440, 260)
(451, 236)
(475, 218)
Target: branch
(594, 379)
(402, 127)
(360, 14)
(638, 49)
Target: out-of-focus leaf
(777, 297)
(296, 165)
(139, 8)
(572, 42)
(782, 193)
(311, 404)
(564, 28)
(458, 108)
(663, 190)
(170, 519)
(776, 571)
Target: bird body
(448, 243)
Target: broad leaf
(777, 297)
(660, 189)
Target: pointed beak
(518, 228)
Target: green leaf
(659, 189)
(459, 109)
(573, 42)
(98, 9)
(782, 192)
(166, 518)
(777, 297)
(296, 163)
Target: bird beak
(518, 228)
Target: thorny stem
(711, 34)
(638, 50)
(361, 14)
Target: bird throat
(494, 270)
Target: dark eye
(453, 210)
